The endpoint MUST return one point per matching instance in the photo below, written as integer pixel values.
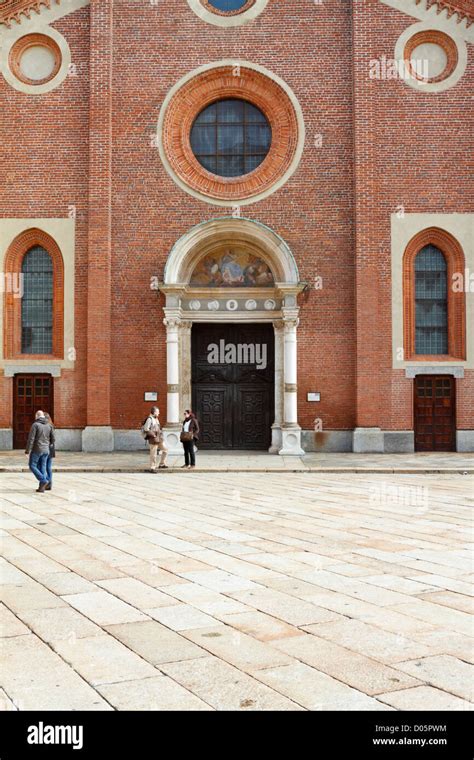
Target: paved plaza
(237, 591)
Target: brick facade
(372, 146)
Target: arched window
(431, 302)
(434, 312)
(37, 302)
(34, 318)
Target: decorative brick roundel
(227, 7)
(428, 48)
(35, 59)
(222, 83)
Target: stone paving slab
(418, 697)
(251, 462)
(35, 678)
(283, 591)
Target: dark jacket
(41, 437)
(194, 428)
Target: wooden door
(30, 393)
(435, 413)
(234, 401)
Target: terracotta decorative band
(435, 37)
(218, 84)
(212, 9)
(173, 388)
(290, 388)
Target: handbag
(186, 436)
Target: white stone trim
(434, 369)
(26, 367)
(232, 62)
(230, 21)
(63, 232)
(403, 229)
(191, 246)
(35, 89)
(430, 87)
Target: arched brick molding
(455, 261)
(12, 306)
(212, 9)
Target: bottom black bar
(383, 734)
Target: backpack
(142, 427)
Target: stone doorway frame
(186, 305)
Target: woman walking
(189, 434)
(52, 454)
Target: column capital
(172, 322)
(291, 324)
(278, 325)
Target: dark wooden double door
(234, 400)
(30, 393)
(435, 413)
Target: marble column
(279, 362)
(291, 431)
(173, 425)
(185, 377)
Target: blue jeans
(37, 466)
(49, 469)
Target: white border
(237, 19)
(36, 89)
(63, 233)
(403, 229)
(430, 87)
(232, 63)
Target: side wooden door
(435, 413)
(30, 393)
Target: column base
(291, 442)
(6, 439)
(97, 439)
(276, 439)
(172, 442)
(368, 441)
(465, 440)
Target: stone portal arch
(201, 239)
(272, 300)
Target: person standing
(155, 438)
(51, 456)
(189, 435)
(40, 438)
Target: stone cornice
(13, 10)
(14, 13)
(464, 9)
(454, 16)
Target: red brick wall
(411, 151)
(312, 212)
(46, 172)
